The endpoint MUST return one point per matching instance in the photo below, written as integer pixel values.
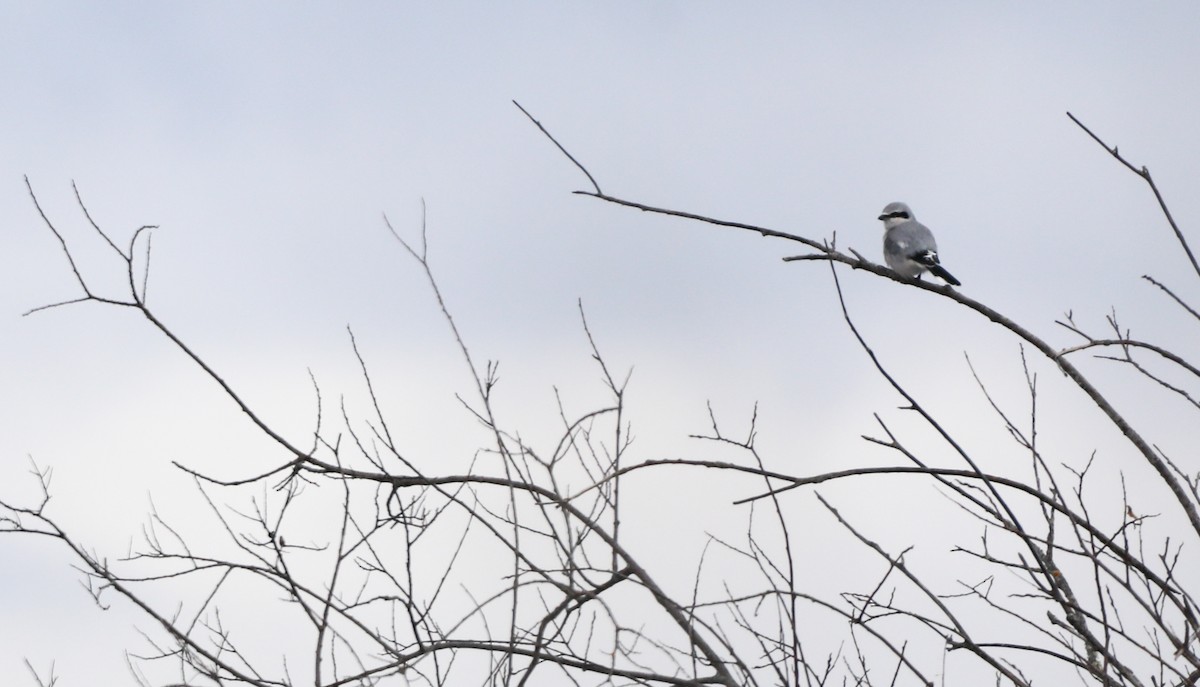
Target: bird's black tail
(940, 271)
(929, 260)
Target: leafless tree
(389, 597)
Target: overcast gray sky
(267, 141)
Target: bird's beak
(882, 217)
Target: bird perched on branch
(908, 245)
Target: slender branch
(1169, 292)
(1144, 173)
(826, 252)
(62, 242)
(1131, 343)
(560, 147)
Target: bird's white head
(896, 213)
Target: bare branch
(559, 146)
(1144, 173)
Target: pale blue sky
(268, 139)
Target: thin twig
(1171, 293)
(560, 147)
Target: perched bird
(908, 245)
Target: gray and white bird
(908, 245)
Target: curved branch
(1132, 343)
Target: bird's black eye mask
(899, 214)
